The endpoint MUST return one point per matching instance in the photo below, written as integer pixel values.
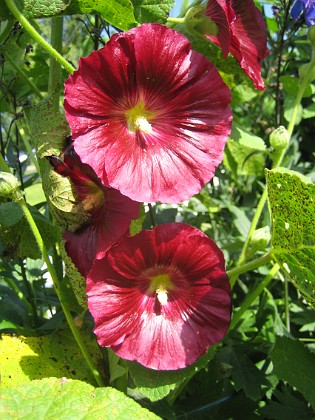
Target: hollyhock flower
(149, 115)
(109, 212)
(161, 297)
(241, 32)
(307, 7)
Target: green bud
(279, 138)
(9, 186)
(311, 35)
(261, 238)
(198, 23)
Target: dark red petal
(245, 34)
(130, 319)
(187, 101)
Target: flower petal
(131, 319)
(187, 106)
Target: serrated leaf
(118, 13)
(68, 399)
(292, 206)
(156, 385)
(23, 359)
(295, 364)
(152, 10)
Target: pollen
(161, 284)
(138, 119)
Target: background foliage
(265, 365)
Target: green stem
(57, 286)
(253, 295)
(252, 265)
(28, 148)
(55, 68)
(35, 35)
(23, 75)
(176, 20)
(7, 30)
(277, 162)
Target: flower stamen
(138, 119)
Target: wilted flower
(241, 32)
(307, 7)
(110, 212)
(161, 297)
(149, 115)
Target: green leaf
(68, 399)
(10, 214)
(291, 85)
(23, 359)
(288, 110)
(246, 139)
(292, 206)
(156, 385)
(309, 112)
(152, 10)
(34, 9)
(34, 194)
(118, 13)
(48, 129)
(295, 364)
(245, 374)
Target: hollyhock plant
(161, 297)
(241, 32)
(307, 7)
(110, 212)
(149, 115)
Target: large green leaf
(118, 13)
(292, 206)
(68, 399)
(155, 385)
(295, 364)
(23, 359)
(152, 10)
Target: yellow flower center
(138, 119)
(94, 198)
(161, 284)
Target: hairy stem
(55, 67)
(57, 286)
(37, 37)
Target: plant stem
(252, 265)
(55, 67)
(253, 295)
(35, 35)
(176, 20)
(277, 162)
(57, 286)
(23, 75)
(152, 215)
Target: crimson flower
(149, 115)
(108, 210)
(161, 297)
(241, 32)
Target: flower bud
(279, 138)
(9, 186)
